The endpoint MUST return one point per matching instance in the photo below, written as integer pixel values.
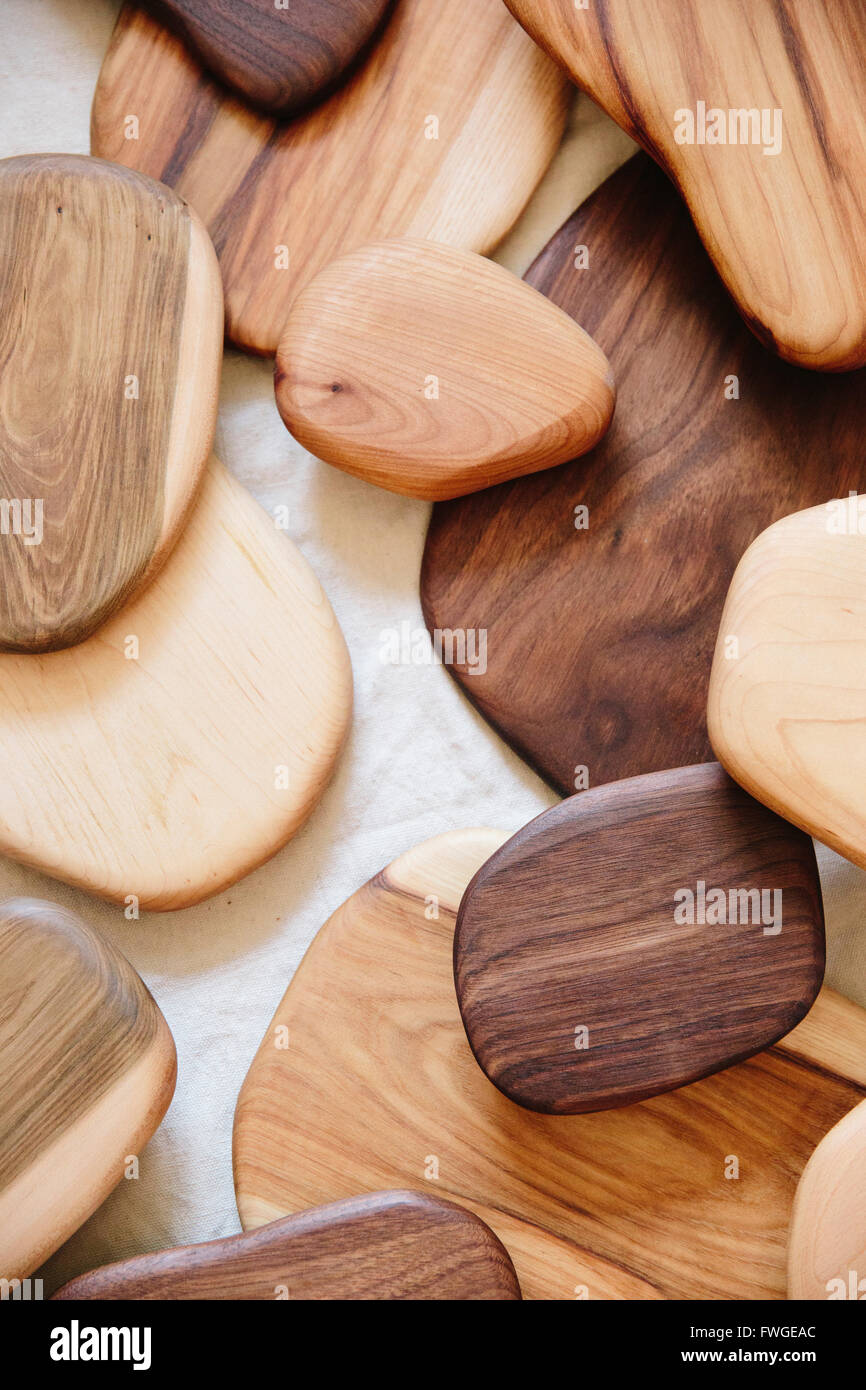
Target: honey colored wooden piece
(636, 938)
(827, 1248)
(387, 1245)
(601, 623)
(87, 1071)
(630, 1203)
(756, 110)
(111, 331)
(787, 703)
(442, 133)
(276, 58)
(186, 741)
(434, 372)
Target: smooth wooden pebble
(87, 1071)
(434, 372)
(827, 1247)
(111, 333)
(388, 1245)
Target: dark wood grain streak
(572, 924)
(277, 59)
(600, 640)
(383, 1246)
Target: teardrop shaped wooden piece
(827, 1247)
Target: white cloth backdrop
(419, 760)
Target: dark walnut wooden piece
(637, 938)
(277, 59)
(600, 640)
(388, 1245)
(110, 348)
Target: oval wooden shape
(443, 133)
(434, 372)
(779, 205)
(627, 1203)
(185, 742)
(111, 334)
(277, 59)
(827, 1248)
(387, 1245)
(575, 605)
(787, 705)
(87, 1071)
(636, 938)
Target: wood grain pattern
(434, 372)
(581, 981)
(277, 59)
(387, 1245)
(787, 702)
(170, 769)
(378, 1081)
(680, 485)
(786, 229)
(87, 1071)
(111, 330)
(827, 1247)
(361, 167)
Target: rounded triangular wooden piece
(87, 1070)
(434, 372)
(387, 1245)
(278, 56)
(739, 102)
(442, 133)
(186, 741)
(685, 1196)
(618, 564)
(636, 938)
(111, 334)
(827, 1247)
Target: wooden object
(787, 704)
(756, 110)
(827, 1248)
(278, 59)
(187, 740)
(636, 938)
(87, 1070)
(111, 332)
(378, 1087)
(434, 372)
(388, 1245)
(442, 134)
(600, 639)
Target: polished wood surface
(378, 1087)
(442, 133)
(186, 741)
(87, 1070)
(600, 636)
(636, 938)
(787, 702)
(434, 372)
(827, 1246)
(387, 1245)
(779, 200)
(111, 331)
(277, 58)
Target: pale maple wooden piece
(385, 1245)
(378, 1081)
(87, 1071)
(434, 372)
(172, 774)
(360, 167)
(787, 702)
(787, 230)
(827, 1247)
(111, 333)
